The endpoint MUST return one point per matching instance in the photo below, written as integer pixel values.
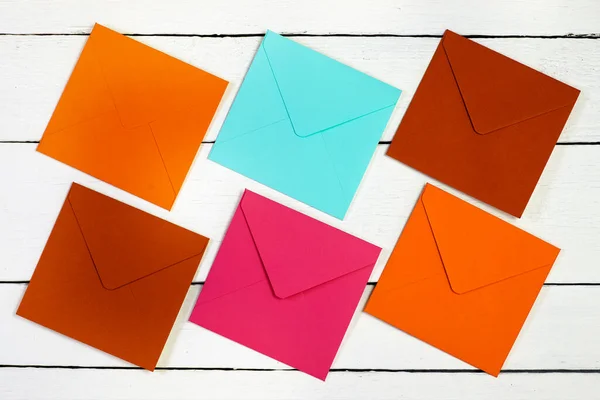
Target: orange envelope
(132, 116)
(113, 277)
(462, 280)
(483, 123)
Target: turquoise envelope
(304, 124)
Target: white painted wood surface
(33, 384)
(557, 356)
(39, 66)
(563, 316)
(492, 17)
(564, 209)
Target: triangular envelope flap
(145, 84)
(299, 252)
(477, 248)
(498, 91)
(125, 243)
(318, 92)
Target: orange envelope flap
(123, 91)
(497, 91)
(146, 84)
(299, 252)
(478, 249)
(127, 244)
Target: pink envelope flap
(510, 251)
(299, 252)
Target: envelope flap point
(299, 252)
(319, 92)
(498, 91)
(477, 248)
(127, 244)
(146, 84)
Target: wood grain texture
(60, 384)
(39, 68)
(534, 17)
(560, 334)
(563, 210)
(557, 355)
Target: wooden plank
(37, 68)
(563, 210)
(535, 17)
(561, 333)
(60, 384)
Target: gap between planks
(381, 142)
(291, 34)
(333, 370)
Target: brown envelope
(113, 277)
(483, 123)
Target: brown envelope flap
(477, 248)
(299, 252)
(498, 91)
(127, 244)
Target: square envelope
(483, 123)
(132, 116)
(304, 125)
(461, 280)
(285, 285)
(113, 277)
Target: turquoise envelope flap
(304, 124)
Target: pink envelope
(285, 284)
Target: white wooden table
(557, 355)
